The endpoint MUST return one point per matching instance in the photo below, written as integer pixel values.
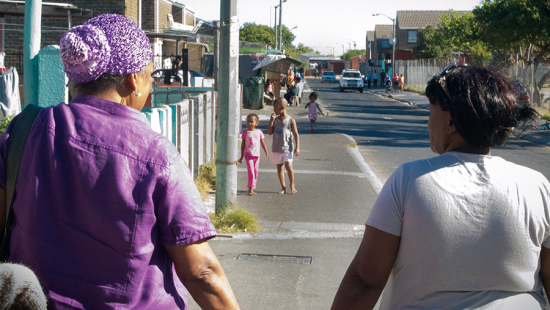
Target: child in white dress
(313, 107)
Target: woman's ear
(450, 124)
(132, 81)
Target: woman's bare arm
(368, 272)
(200, 271)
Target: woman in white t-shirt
(465, 229)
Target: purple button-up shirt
(99, 194)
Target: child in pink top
(313, 107)
(250, 150)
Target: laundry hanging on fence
(10, 101)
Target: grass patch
(415, 90)
(352, 144)
(235, 221)
(546, 116)
(206, 180)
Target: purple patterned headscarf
(108, 43)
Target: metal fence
(417, 73)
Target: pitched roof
(420, 19)
(383, 31)
(370, 35)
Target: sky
(325, 25)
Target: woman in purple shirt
(106, 211)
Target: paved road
(335, 194)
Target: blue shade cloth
(99, 195)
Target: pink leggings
(252, 163)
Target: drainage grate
(304, 260)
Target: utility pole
(216, 54)
(276, 34)
(31, 47)
(228, 108)
(280, 25)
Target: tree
(352, 53)
(251, 32)
(302, 49)
(461, 34)
(431, 44)
(517, 27)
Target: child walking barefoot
(250, 150)
(284, 131)
(313, 107)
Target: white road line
(360, 161)
(354, 174)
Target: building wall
(165, 8)
(132, 10)
(380, 51)
(403, 39)
(52, 36)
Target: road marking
(360, 161)
(353, 174)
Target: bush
(546, 116)
(4, 123)
(235, 221)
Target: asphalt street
(311, 237)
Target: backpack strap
(16, 145)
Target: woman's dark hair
(102, 84)
(483, 104)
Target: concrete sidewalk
(536, 136)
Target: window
(352, 75)
(385, 44)
(412, 36)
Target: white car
(351, 79)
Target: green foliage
(246, 50)
(546, 116)
(235, 221)
(431, 43)
(4, 123)
(352, 53)
(302, 49)
(262, 34)
(414, 90)
(251, 32)
(512, 24)
(480, 54)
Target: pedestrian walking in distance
(313, 107)
(402, 82)
(252, 138)
(286, 143)
(375, 79)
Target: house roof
(383, 31)
(421, 19)
(370, 35)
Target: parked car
(351, 79)
(328, 76)
(523, 96)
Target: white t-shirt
(471, 229)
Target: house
(165, 21)
(407, 24)
(357, 60)
(370, 44)
(382, 47)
